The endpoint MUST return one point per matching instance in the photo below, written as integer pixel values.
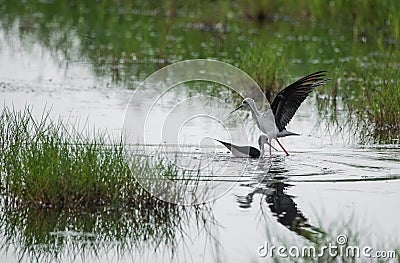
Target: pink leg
(287, 154)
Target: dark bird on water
(247, 151)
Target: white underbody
(266, 123)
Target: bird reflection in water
(281, 204)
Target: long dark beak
(240, 106)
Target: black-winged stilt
(284, 106)
(248, 151)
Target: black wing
(289, 99)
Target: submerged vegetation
(45, 164)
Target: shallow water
(327, 181)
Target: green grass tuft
(370, 92)
(44, 164)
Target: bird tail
(285, 133)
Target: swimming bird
(273, 122)
(248, 151)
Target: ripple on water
(340, 165)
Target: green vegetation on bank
(45, 164)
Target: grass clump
(66, 195)
(378, 104)
(44, 164)
(369, 93)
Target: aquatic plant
(45, 164)
(66, 194)
(377, 105)
(368, 91)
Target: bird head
(245, 104)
